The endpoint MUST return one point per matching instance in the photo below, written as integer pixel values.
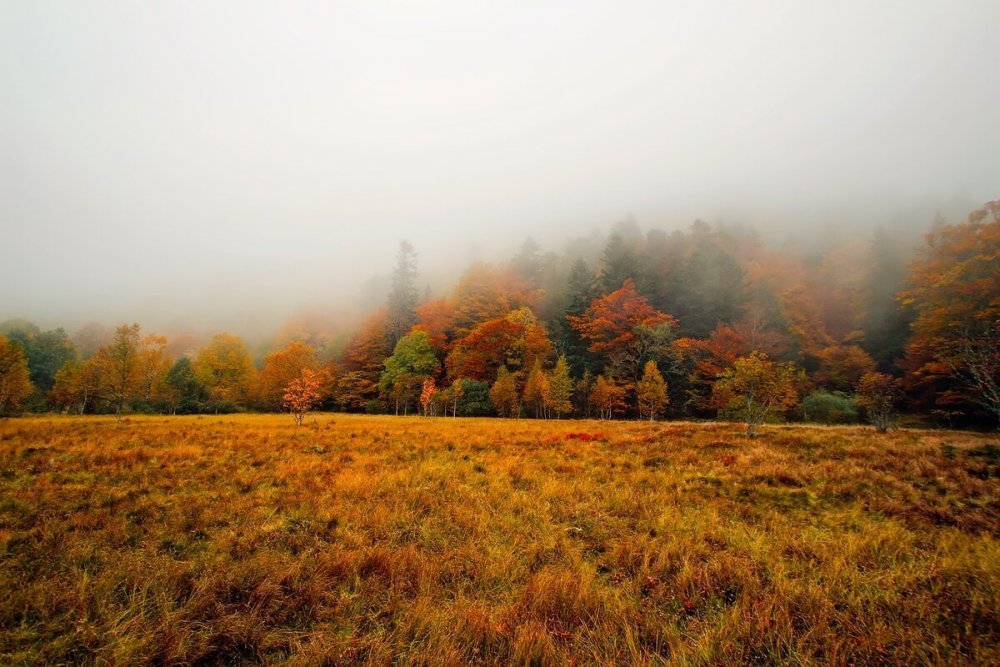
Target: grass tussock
(240, 540)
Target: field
(354, 539)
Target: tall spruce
(581, 290)
(402, 303)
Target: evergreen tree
(402, 303)
(580, 292)
(528, 261)
(473, 399)
(187, 393)
(707, 287)
(581, 394)
(885, 323)
(618, 264)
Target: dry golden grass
(354, 539)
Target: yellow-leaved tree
(757, 389)
(15, 381)
(651, 392)
(225, 368)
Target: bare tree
(974, 358)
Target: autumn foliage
(756, 389)
(15, 382)
(652, 325)
(303, 393)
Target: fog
(231, 163)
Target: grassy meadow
(405, 540)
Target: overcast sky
(161, 156)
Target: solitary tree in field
(877, 394)
(280, 368)
(651, 392)
(503, 394)
(303, 394)
(15, 382)
(756, 388)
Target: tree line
(707, 322)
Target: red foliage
(515, 340)
(610, 322)
(437, 319)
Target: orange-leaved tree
(841, 366)
(427, 395)
(280, 368)
(877, 394)
(303, 393)
(517, 340)
(709, 358)
(607, 397)
(437, 318)
(953, 290)
(15, 380)
(118, 367)
(624, 326)
(362, 362)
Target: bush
(829, 408)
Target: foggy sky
(230, 160)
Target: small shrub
(829, 408)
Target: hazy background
(227, 163)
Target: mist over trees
(698, 323)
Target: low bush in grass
(829, 408)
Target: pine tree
(403, 297)
(885, 323)
(581, 394)
(528, 261)
(619, 263)
(581, 290)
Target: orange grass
(382, 540)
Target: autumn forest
(707, 322)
